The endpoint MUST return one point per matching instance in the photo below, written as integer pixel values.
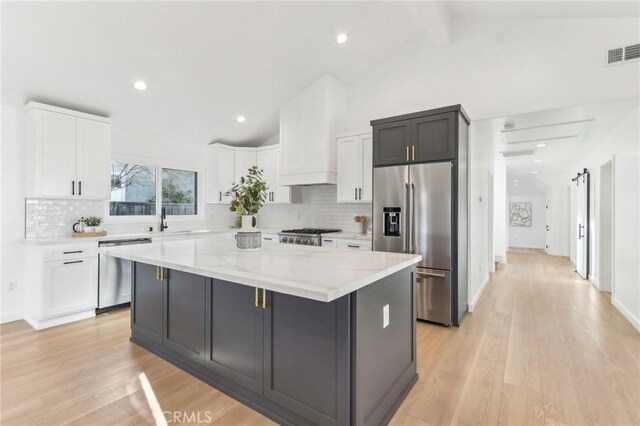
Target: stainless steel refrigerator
(415, 211)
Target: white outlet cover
(385, 316)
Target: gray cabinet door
(146, 301)
(307, 357)
(433, 138)
(184, 313)
(234, 333)
(391, 142)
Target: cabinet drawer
(354, 244)
(71, 252)
(270, 238)
(329, 242)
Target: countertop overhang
(318, 273)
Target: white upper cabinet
(269, 161)
(308, 126)
(355, 169)
(220, 173)
(245, 158)
(68, 153)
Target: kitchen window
(133, 190)
(139, 190)
(179, 192)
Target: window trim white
(159, 165)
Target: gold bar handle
(264, 299)
(161, 273)
(256, 297)
(158, 273)
(413, 153)
(407, 153)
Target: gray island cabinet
(297, 359)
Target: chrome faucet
(163, 220)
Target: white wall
(500, 234)
(481, 166)
(533, 236)
(605, 235)
(12, 224)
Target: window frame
(159, 165)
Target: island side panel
(307, 355)
(383, 358)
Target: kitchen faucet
(163, 220)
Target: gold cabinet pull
(407, 153)
(158, 273)
(413, 153)
(264, 299)
(256, 297)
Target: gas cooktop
(310, 231)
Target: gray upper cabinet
(184, 311)
(391, 143)
(234, 334)
(419, 137)
(147, 294)
(310, 379)
(433, 138)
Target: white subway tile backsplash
(50, 218)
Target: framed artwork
(520, 214)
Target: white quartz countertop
(109, 237)
(317, 273)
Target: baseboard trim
(52, 322)
(625, 313)
(473, 304)
(13, 316)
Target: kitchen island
(304, 335)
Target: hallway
(542, 346)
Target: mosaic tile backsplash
(51, 218)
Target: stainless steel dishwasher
(114, 278)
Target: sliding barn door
(582, 233)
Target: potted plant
(92, 224)
(247, 198)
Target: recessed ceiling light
(537, 161)
(540, 145)
(534, 173)
(515, 181)
(240, 119)
(342, 38)
(515, 184)
(140, 85)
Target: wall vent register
(620, 55)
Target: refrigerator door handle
(406, 235)
(431, 274)
(413, 217)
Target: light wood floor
(542, 346)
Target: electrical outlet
(12, 286)
(385, 316)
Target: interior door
(431, 210)
(582, 231)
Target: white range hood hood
(309, 124)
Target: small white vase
(248, 223)
(89, 229)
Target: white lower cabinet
(61, 283)
(70, 286)
(354, 244)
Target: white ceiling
(205, 63)
(560, 158)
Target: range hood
(309, 124)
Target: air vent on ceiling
(623, 54)
(518, 153)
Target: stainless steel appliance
(414, 207)
(114, 279)
(305, 236)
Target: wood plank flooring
(542, 347)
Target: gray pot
(249, 241)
